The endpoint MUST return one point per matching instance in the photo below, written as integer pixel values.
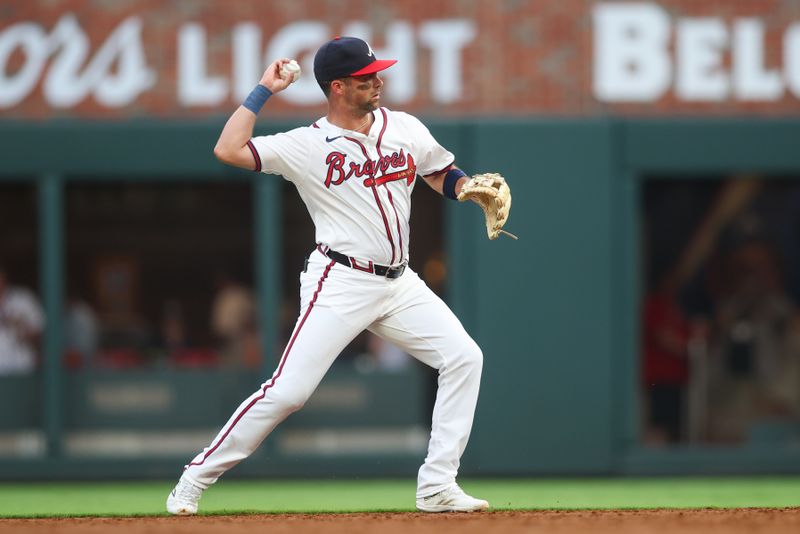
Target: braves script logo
(338, 171)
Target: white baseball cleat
(183, 499)
(453, 499)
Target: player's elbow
(222, 154)
(242, 158)
(227, 156)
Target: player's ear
(337, 87)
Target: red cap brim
(376, 66)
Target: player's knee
(290, 401)
(470, 357)
(473, 355)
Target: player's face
(364, 92)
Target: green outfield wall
(556, 312)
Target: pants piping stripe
(280, 368)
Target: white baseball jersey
(357, 187)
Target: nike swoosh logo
(329, 139)
(173, 493)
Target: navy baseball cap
(347, 56)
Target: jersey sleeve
(284, 153)
(432, 158)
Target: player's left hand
(271, 79)
(491, 192)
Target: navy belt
(372, 268)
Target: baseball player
(355, 170)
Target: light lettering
(446, 39)
(631, 58)
(195, 86)
(751, 79)
(700, 76)
(67, 82)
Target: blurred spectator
(173, 328)
(176, 342)
(755, 371)
(21, 324)
(233, 321)
(387, 356)
(666, 369)
(81, 333)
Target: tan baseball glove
(491, 192)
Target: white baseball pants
(338, 303)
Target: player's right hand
(271, 79)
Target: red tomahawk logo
(407, 174)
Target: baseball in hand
(291, 68)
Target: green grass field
(273, 496)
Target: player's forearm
(235, 135)
(437, 182)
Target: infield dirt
(707, 521)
